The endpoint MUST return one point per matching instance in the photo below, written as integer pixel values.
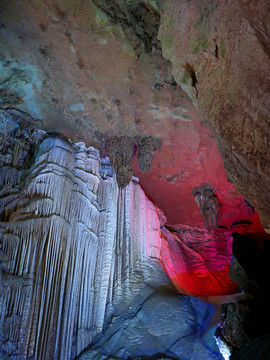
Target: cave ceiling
(165, 89)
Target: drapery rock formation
(66, 238)
(81, 257)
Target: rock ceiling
(109, 73)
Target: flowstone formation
(182, 249)
(123, 149)
(82, 260)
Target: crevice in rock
(191, 70)
(217, 51)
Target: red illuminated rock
(197, 262)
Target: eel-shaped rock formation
(81, 275)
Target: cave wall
(114, 75)
(220, 56)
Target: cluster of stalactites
(122, 150)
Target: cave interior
(134, 179)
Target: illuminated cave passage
(134, 180)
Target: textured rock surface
(227, 46)
(163, 327)
(96, 74)
(181, 254)
(79, 257)
(83, 77)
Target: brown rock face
(90, 70)
(220, 55)
(95, 72)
